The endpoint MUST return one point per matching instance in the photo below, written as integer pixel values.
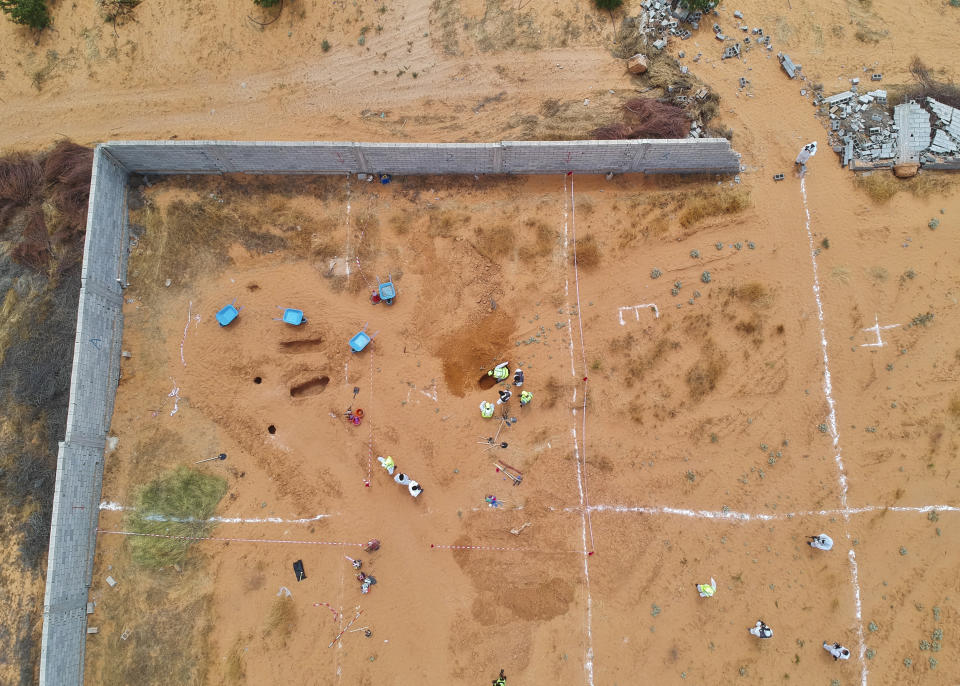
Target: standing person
(809, 150)
(492, 501)
(761, 630)
(486, 409)
(525, 398)
(500, 680)
(402, 479)
(505, 396)
(387, 464)
(500, 372)
(415, 489)
(820, 542)
(707, 590)
(837, 651)
(518, 377)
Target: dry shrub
(236, 667)
(52, 189)
(21, 178)
(926, 86)
(552, 391)
(444, 223)
(880, 186)
(493, 242)
(586, 252)
(954, 407)
(282, 618)
(651, 118)
(647, 118)
(67, 170)
(401, 222)
(544, 239)
(612, 132)
(753, 293)
(703, 376)
(638, 367)
(712, 204)
(664, 71)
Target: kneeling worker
(486, 409)
(500, 372)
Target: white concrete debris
(942, 143)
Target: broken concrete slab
(788, 65)
(839, 98)
(914, 125)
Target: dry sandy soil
(676, 409)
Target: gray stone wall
(96, 356)
(691, 155)
(93, 384)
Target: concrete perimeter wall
(93, 384)
(688, 155)
(96, 354)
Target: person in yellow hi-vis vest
(500, 372)
(525, 398)
(387, 463)
(707, 590)
(486, 409)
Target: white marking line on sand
(346, 258)
(876, 329)
(185, 328)
(584, 513)
(838, 458)
(109, 506)
(761, 516)
(636, 311)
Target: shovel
(221, 456)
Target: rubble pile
(861, 126)
(662, 19)
(946, 139)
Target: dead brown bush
(544, 239)
(712, 204)
(651, 118)
(21, 178)
(703, 376)
(752, 293)
(954, 407)
(586, 252)
(493, 242)
(552, 391)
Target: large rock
(637, 64)
(906, 170)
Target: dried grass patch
(717, 203)
(703, 376)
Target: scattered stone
(637, 64)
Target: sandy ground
(484, 71)
(649, 440)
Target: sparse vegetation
(713, 204)
(282, 619)
(954, 407)
(118, 11)
(588, 252)
(178, 504)
(32, 13)
(703, 376)
(922, 319)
